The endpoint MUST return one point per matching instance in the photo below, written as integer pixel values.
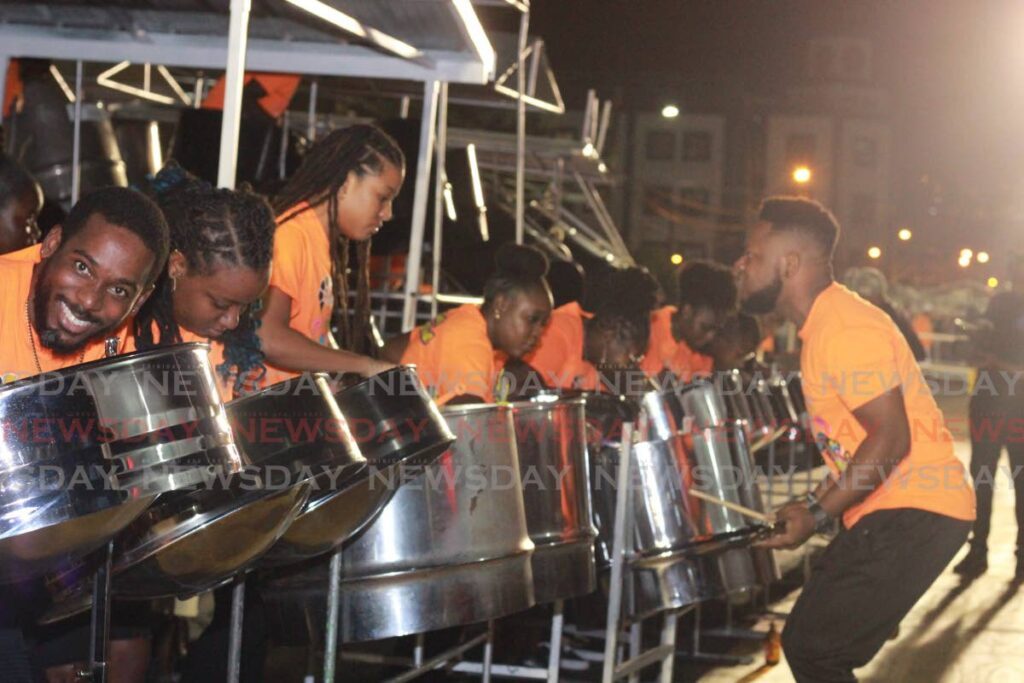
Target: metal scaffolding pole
(439, 183)
(419, 205)
(76, 152)
(524, 25)
(238, 29)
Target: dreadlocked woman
(341, 194)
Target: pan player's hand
(798, 524)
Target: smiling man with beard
(902, 496)
(59, 300)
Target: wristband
(822, 520)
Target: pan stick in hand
(742, 509)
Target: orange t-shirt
(13, 88)
(853, 353)
(17, 360)
(559, 353)
(280, 90)
(662, 344)
(924, 328)
(665, 352)
(225, 386)
(454, 356)
(301, 268)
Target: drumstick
(742, 509)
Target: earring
(174, 284)
(497, 315)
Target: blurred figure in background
(871, 284)
(680, 334)
(736, 343)
(21, 199)
(996, 412)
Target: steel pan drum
(292, 439)
(450, 548)
(551, 438)
(715, 461)
(392, 421)
(699, 405)
(87, 448)
(736, 572)
(195, 542)
(663, 575)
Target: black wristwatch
(822, 520)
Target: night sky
(954, 70)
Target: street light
(993, 282)
(964, 261)
(982, 257)
(670, 111)
(905, 235)
(874, 252)
(676, 259)
(801, 175)
(966, 253)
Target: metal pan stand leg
(555, 657)
(668, 640)
(100, 621)
(488, 652)
(697, 656)
(515, 671)
(331, 626)
(622, 500)
(235, 637)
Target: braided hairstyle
(624, 306)
(212, 228)
(361, 149)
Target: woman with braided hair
(577, 344)
(221, 247)
(460, 354)
(339, 198)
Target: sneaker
(974, 564)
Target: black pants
(861, 588)
(996, 422)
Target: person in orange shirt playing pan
(221, 242)
(902, 496)
(221, 246)
(460, 354)
(59, 302)
(578, 346)
(340, 196)
(680, 334)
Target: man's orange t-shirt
(17, 360)
(853, 353)
(225, 386)
(454, 356)
(302, 269)
(559, 353)
(664, 352)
